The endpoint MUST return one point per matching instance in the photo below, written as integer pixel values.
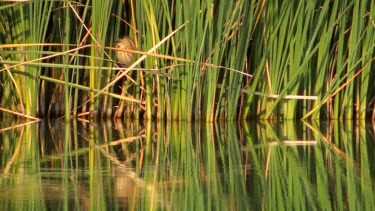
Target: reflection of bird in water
(125, 58)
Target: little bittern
(125, 58)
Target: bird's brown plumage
(123, 57)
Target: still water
(54, 165)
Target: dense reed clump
(203, 60)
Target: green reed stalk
(225, 39)
(245, 13)
(353, 56)
(115, 23)
(101, 13)
(340, 55)
(364, 92)
(276, 55)
(211, 51)
(149, 30)
(324, 55)
(76, 71)
(67, 92)
(165, 105)
(297, 43)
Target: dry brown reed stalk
(20, 125)
(18, 114)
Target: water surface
(53, 165)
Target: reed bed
(203, 60)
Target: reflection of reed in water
(126, 184)
(125, 58)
